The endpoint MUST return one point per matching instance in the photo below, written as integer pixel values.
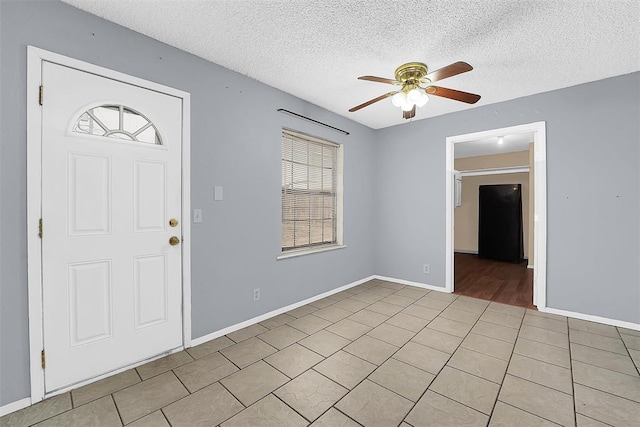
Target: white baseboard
(410, 283)
(591, 318)
(472, 252)
(233, 328)
(466, 251)
(14, 406)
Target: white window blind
(309, 191)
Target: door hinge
(40, 228)
(44, 360)
(41, 94)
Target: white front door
(111, 185)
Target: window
(117, 121)
(311, 192)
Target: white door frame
(540, 208)
(35, 58)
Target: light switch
(217, 193)
(197, 215)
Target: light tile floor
(380, 354)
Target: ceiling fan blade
(379, 80)
(371, 101)
(409, 114)
(469, 98)
(449, 71)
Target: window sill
(293, 254)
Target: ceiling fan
(415, 83)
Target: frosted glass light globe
(398, 99)
(423, 100)
(407, 106)
(414, 96)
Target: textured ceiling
(316, 49)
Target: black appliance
(500, 222)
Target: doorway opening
(512, 160)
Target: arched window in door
(118, 121)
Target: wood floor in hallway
(499, 281)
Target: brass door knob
(174, 240)
(173, 222)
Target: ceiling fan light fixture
(399, 99)
(423, 100)
(414, 96)
(407, 106)
(414, 80)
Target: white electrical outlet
(218, 193)
(426, 269)
(256, 294)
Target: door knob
(173, 222)
(174, 240)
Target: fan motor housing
(411, 71)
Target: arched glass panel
(118, 121)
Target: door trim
(35, 58)
(540, 208)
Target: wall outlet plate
(426, 268)
(218, 193)
(256, 294)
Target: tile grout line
(452, 354)
(346, 415)
(244, 407)
(377, 366)
(202, 388)
(528, 412)
(113, 399)
(607, 424)
(460, 403)
(573, 381)
(507, 370)
(628, 352)
(597, 348)
(610, 394)
(605, 368)
(165, 417)
(531, 357)
(287, 405)
(445, 364)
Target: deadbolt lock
(173, 222)
(174, 240)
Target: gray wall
(235, 144)
(593, 190)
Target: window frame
(339, 205)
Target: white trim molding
(254, 320)
(495, 171)
(592, 318)
(295, 253)
(466, 251)
(14, 406)
(35, 59)
(540, 208)
(416, 284)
